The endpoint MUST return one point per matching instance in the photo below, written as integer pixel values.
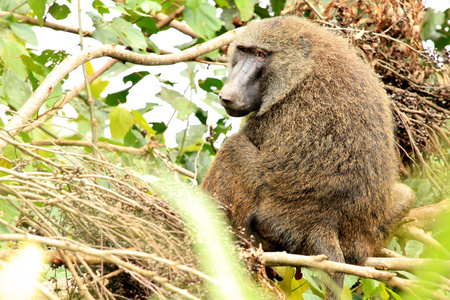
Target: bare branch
(20, 119)
(404, 263)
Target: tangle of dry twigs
(387, 33)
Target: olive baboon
(313, 170)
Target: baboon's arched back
(314, 168)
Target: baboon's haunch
(314, 168)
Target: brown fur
(314, 170)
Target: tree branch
(319, 262)
(163, 19)
(425, 217)
(20, 119)
(404, 263)
(34, 21)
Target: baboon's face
(242, 92)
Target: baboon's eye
(242, 49)
(260, 54)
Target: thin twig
(313, 8)
(170, 18)
(35, 21)
(116, 148)
(52, 111)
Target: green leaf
(442, 42)
(165, 81)
(221, 128)
(98, 86)
(246, 8)
(153, 47)
(394, 295)
(187, 45)
(203, 20)
(142, 122)
(115, 99)
(228, 15)
(262, 12)
(193, 4)
(51, 58)
(193, 139)
(105, 35)
(212, 55)
(59, 12)
(14, 5)
(100, 7)
(148, 107)
(134, 138)
(135, 77)
(380, 292)
(213, 101)
(159, 127)
(150, 6)
(285, 285)
(431, 19)
(120, 122)
(201, 115)
(222, 3)
(351, 280)
(413, 249)
(407, 275)
(277, 6)
(179, 102)
(38, 7)
(310, 276)
(199, 162)
(55, 95)
(16, 90)
(11, 53)
(7, 213)
(31, 64)
(211, 85)
(369, 286)
(96, 18)
(148, 25)
(11, 153)
(24, 32)
(25, 137)
(128, 34)
(83, 126)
